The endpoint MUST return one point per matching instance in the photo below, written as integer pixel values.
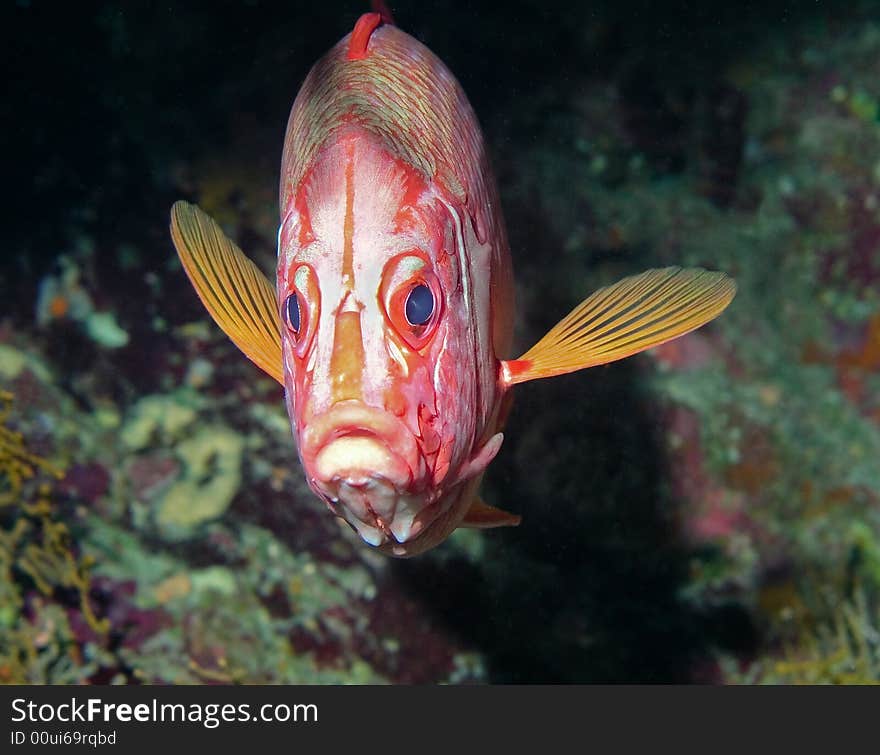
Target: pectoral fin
(482, 458)
(483, 516)
(233, 289)
(618, 321)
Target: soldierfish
(392, 306)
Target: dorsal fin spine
(360, 36)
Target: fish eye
(292, 312)
(412, 297)
(300, 309)
(419, 305)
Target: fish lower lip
(356, 507)
(377, 510)
(373, 502)
(368, 463)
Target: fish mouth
(365, 463)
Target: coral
(13, 362)
(63, 296)
(160, 419)
(103, 329)
(36, 551)
(17, 464)
(189, 473)
(277, 617)
(211, 461)
(841, 648)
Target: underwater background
(706, 512)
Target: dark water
(709, 512)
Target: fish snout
(368, 466)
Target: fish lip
(382, 492)
(352, 418)
(375, 509)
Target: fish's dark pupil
(419, 305)
(293, 313)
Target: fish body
(391, 314)
(386, 188)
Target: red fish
(392, 307)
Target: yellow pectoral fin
(618, 321)
(483, 516)
(233, 289)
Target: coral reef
(837, 643)
(63, 296)
(37, 568)
(707, 512)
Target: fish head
(379, 358)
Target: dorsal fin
(360, 36)
(233, 289)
